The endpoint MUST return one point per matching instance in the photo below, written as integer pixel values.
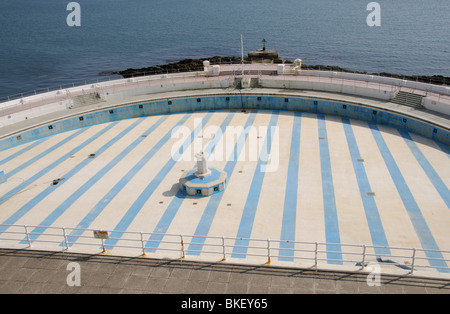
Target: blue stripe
(290, 197)
(23, 150)
(248, 214)
(151, 187)
(444, 147)
(165, 221)
(36, 176)
(42, 155)
(208, 215)
(62, 208)
(420, 225)
(427, 167)
(38, 198)
(329, 202)
(174, 206)
(101, 205)
(370, 207)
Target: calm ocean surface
(38, 49)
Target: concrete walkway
(28, 271)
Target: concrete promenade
(40, 272)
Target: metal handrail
(220, 246)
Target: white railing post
(28, 236)
(65, 238)
(143, 245)
(315, 255)
(363, 263)
(413, 260)
(182, 247)
(223, 249)
(268, 251)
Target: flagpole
(242, 54)
(242, 48)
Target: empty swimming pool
(293, 177)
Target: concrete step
(408, 99)
(86, 99)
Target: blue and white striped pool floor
(322, 190)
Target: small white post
(182, 247)
(65, 238)
(28, 236)
(413, 260)
(268, 251)
(223, 249)
(363, 263)
(103, 247)
(143, 246)
(315, 255)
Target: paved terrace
(27, 271)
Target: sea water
(39, 50)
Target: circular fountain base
(194, 185)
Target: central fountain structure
(202, 181)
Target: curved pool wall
(231, 102)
